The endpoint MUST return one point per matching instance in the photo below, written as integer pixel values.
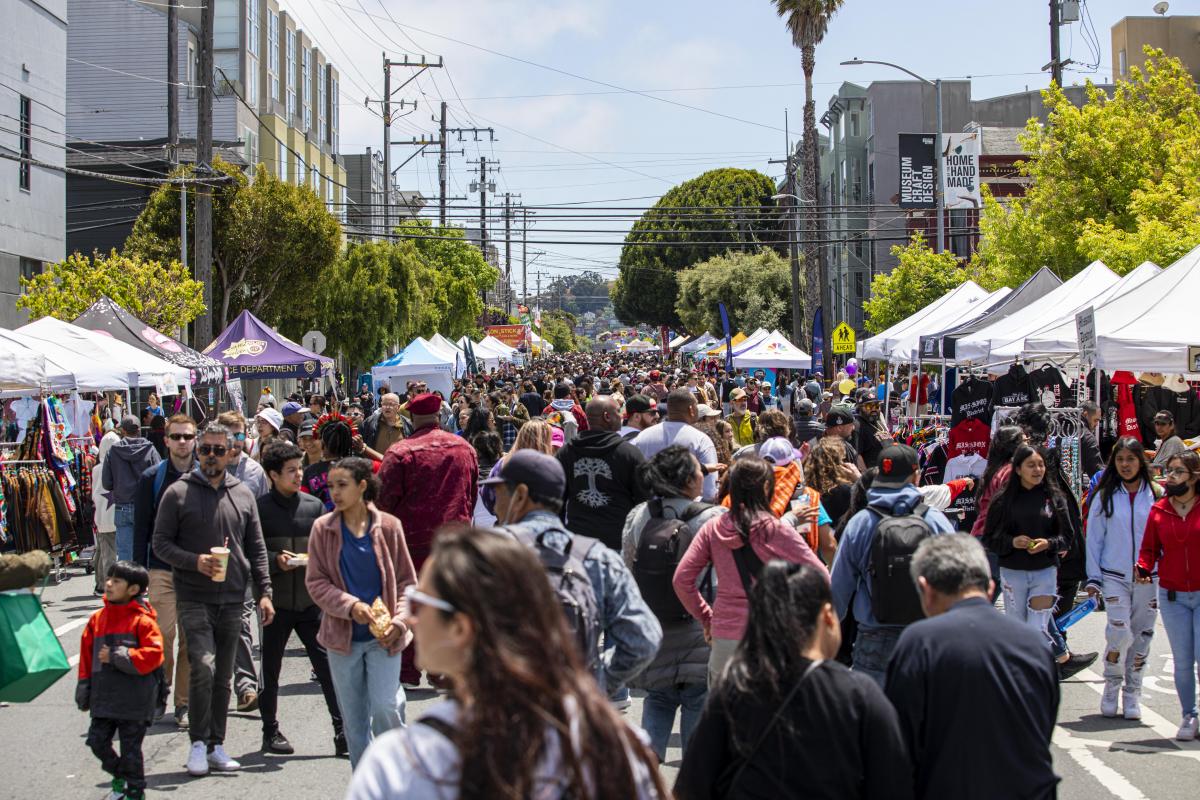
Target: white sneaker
(1108, 700)
(197, 763)
(222, 761)
(1187, 730)
(1133, 705)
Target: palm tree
(807, 21)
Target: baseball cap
(864, 396)
(839, 416)
(639, 404)
(543, 474)
(806, 407)
(306, 428)
(1161, 416)
(705, 410)
(291, 407)
(130, 424)
(896, 465)
(655, 374)
(777, 451)
(737, 394)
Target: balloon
(852, 369)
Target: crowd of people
(763, 562)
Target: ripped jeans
(1132, 610)
(1020, 587)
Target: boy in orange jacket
(120, 677)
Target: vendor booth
(773, 352)
(141, 368)
(252, 349)
(941, 313)
(419, 361)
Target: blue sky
(564, 139)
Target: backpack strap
(438, 724)
(694, 510)
(160, 477)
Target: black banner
(917, 174)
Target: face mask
(1177, 489)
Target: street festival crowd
(767, 563)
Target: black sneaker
(277, 743)
(1075, 663)
(341, 749)
(181, 717)
(160, 712)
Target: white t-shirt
(968, 466)
(661, 436)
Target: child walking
(119, 677)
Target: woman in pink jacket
(357, 554)
(723, 542)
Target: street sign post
(314, 342)
(842, 340)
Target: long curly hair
(823, 465)
(525, 675)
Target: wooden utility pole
(204, 125)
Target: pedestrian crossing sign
(843, 339)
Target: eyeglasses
(1177, 472)
(212, 449)
(414, 598)
(181, 437)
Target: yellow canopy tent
(735, 341)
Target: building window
(1122, 63)
(854, 124)
(250, 148)
(860, 285)
(252, 27)
(191, 71)
(306, 88)
(251, 82)
(322, 98)
(282, 163)
(273, 54)
(300, 176)
(30, 269)
(333, 100)
(25, 169)
(291, 75)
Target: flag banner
(728, 339)
(916, 170)
(818, 343)
(960, 173)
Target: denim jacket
(632, 633)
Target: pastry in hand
(381, 620)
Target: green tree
(1117, 179)
(722, 210)
(455, 277)
(272, 243)
(808, 22)
(578, 293)
(558, 328)
(163, 296)
(755, 288)
(920, 277)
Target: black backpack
(894, 596)
(573, 587)
(658, 553)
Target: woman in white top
(526, 719)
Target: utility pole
(442, 169)
(388, 93)
(508, 291)
(204, 124)
(173, 81)
(1055, 48)
(524, 257)
(443, 141)
(483, 206)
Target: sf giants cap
(896, 465)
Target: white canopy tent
(448, 348)
(21, 368)
(66, 369)
(933, 317)
(1004, 339)
(678, 341)
(539, 342)
(420, 360)
(1059, 338)
(142, 368)
(638, 345)
(704, 342)
(1152, 327)
(773, 352)
(493, 344)
(906, 348)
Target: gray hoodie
(125, 463)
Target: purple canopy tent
(251, 349)
(107, 317)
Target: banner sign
(511, 335)
(1085, 329)
(728, 339)
(234, 387)
(960, 161)
(916, 170)
(665, 335)
(818, 344)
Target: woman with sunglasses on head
(1172, 544)
(358, 568)
(526, 718)
(1119, 508)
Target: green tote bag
(31, 658)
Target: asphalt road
(43, 754)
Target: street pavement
(44, 756)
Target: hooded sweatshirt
(602, 484)
(126, 687)
(126, 462)
(715, 543)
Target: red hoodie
(1173, 543)
(126, 687)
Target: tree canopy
(755, 288)
(579, 293)
(454, 279)
(558, 328)
(164, 296)
(1117, 180)
(722, 210)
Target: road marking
(1116, 783)
(73, 661)
(1133, 747)
(67, 627)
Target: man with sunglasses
(209, 508)
(181, 459)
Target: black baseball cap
(541, 473)
(639, 404)
(838, 416)
(896, 465)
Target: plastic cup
(222, 554)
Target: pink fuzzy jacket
(328, 589)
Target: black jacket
(972, 663)
(602, 484)
(193, 517)
(125, 462)
(837, 738)
(807, 428)
(286, 523)
(1013, 388)
(145, 508)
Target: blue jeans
(369, 694)
(658, 714)
(873, 649)
(1020, 586)
(123, 519)
(1181, 618)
